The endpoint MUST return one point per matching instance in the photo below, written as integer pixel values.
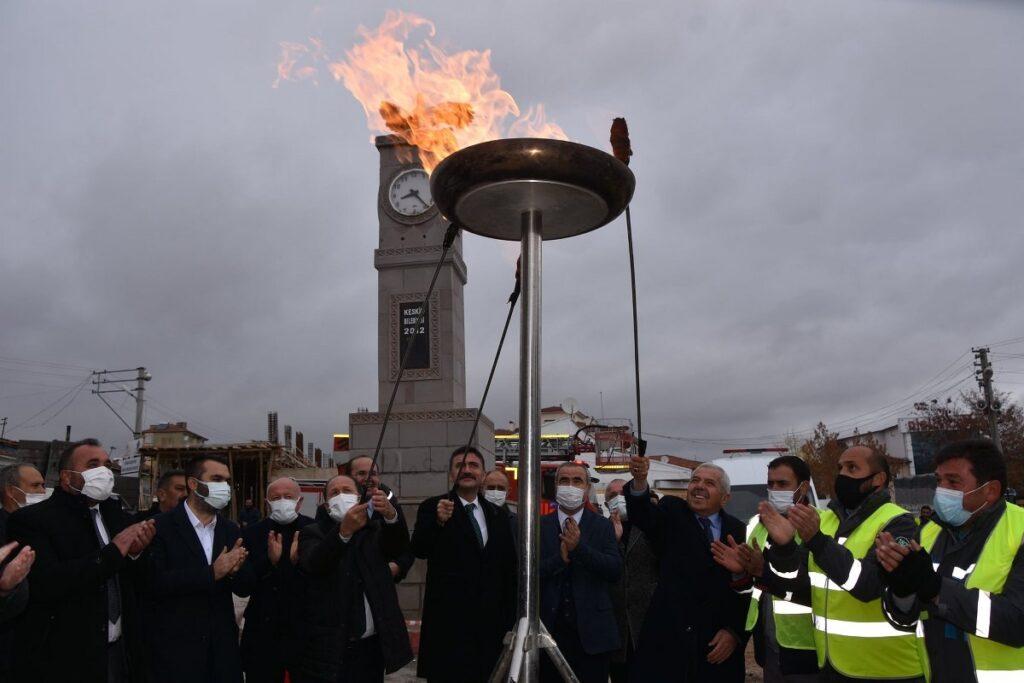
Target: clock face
(409, 194)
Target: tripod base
(509, 666)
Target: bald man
(268, 637)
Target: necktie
(476, 525)
(113, 594)
(706, 523)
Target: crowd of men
(658, 590)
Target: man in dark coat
(471, 561)
(269, 638)
(198, 561)
(632, 593)
(170, 490)
(694, 624)
(355, 630)
(81, 624)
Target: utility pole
(105, 377)
(990, 406)
(3, 426)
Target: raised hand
(779, 528)
(275, 547)
(382, 505)
(727, 555)
(638, 467)
(445, 508)
(806, 521)
(17, 569)
(752, 558)
(721, 646)
(354, 520)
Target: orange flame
(438, 102)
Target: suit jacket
(338, 575)
(192, 629)
(632, 593)
(62, 635)
(470, 598)
(694, 598)
(269, 638)
(594, 567)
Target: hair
(347, 467)
(497, 471)
(194, 469)
(166, 477)
(986, 461)
(327, 484)
(10, 476)
(69, 450)
(573, 463)
(274, 481)
(468, 451)
(722, 475)
(879, 463)
(799, 467)
(926, 507)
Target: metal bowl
(486, 188)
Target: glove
(915, 575)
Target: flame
(436, 101)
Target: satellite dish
(570, 406)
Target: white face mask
(99, 483)
(33, 498)
(781, 500)
(569, 498)
(618, 504)
(218, 494)
(341, 504)
(284, 510)
(495, 496)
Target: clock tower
(429, 419)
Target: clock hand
(416, 194)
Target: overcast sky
(827, 215)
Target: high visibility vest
(854, 636)
(993, 662)
(794, 628)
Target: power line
(41, 363)
(51, 405)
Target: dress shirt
(113, 627)
(203, 532)
(478, 512)
(562, 516)
(716, 524)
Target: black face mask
(848, 490)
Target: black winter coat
(470, 598)
(338, 573)
(269, 640)
(192, 629)
(62, 635)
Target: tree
(821, 452)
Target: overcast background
(827, 216)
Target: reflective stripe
(788, 596)
(842, 540)
(755, 594)
(786, 575)
(984, 614)
(783, 607)
(960, 574)
(859, 629)
(818, 580)
(851, 578)
(1002, 676)
(919, 631)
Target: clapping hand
(616, 524)
(779, 528)
(806, 521)
(570, 538)
(145, 532)
(17, 569)
(890, 554)
(275, 547)
(229, 561)
(728, 555)
(752, 558)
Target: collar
(577, 516)
(195, 521)
(475, 501)
(716, 518)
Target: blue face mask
(949, 506)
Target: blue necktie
(706, 523)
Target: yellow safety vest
(993, 662)
(854, 636)
(794, 628)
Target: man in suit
(632, 593)
(20, 485)
(269, 639)
(170, 490)
(356, 627)
(81, 623)
(495, 488)
(367, 475)
(579, 565)
(198, 561)
(471, 563)
(695, 620)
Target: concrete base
(414, 463)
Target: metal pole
(139, 401)
(529, 441)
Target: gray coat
(632, 593)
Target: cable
(449, 239)
(51, 405)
